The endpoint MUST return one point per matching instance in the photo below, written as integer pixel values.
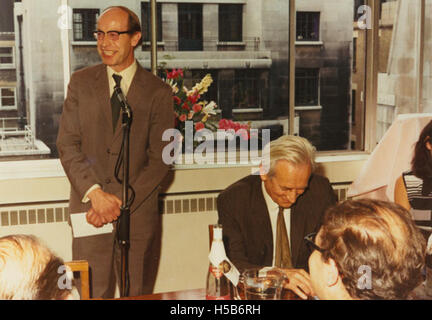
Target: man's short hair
(294, 149)
(377, 235)
(134, 24)
(29, 270)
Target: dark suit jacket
(246, 223)
(87, 146)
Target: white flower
(209, 108)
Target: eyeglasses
(310, 242)
(112, 35)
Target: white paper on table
(81, 228)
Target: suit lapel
(262, 219)
(298, 224)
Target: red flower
(183, 118)
(174, 74)
(197, 108)
(185, 106)
(177, 100)
(193, 98)
(199, 126)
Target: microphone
(124, 104)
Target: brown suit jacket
(246, 223)
(87, 146)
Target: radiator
(168, 204)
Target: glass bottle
(217, 287)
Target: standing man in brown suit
(89, 142)
(265, 217)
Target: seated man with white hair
(31, 271)
(266, 216)
(366, 249)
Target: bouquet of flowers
(188, 107)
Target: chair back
(82, 267)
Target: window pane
(146, 21)
(190, 27)
(308, 24)
(324, 73)
(6, 60)
(84, 24)
(5, 51)
(230, 22)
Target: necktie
(283, 252)
(115, 103)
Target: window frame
(148, 25)
(7, 108)
(309, 39)
(308, 77)
(85, 37)
(239, 11)
(12, 55)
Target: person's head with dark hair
(30, 271)
(421, 164)
(367, 249)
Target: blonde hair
(294, 149)
(28, 270)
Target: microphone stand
(124, 220)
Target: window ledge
(247, 110)
(308, 108)
(84, 43)
(7, 66)
(309, 43)
(8, 108)
(52, 168)
(230, 43)
(148, 43)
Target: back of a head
(377, 236)
(28, 270)
(294, 149)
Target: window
(6, 56)
(247, 89)
(7, 98)
(84, 24)
(308, 26)
(146, 21)
(253, 80)
(357, 5)
(230, 22)
(306, 87)
(190, 27)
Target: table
(192, 294)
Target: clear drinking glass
(263, 283)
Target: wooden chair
(82, 267)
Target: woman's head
(421, 163)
